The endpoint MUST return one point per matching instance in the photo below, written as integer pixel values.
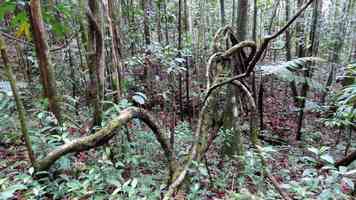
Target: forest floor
(300, 167)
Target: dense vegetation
(177, 99)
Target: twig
(8, 36)
(278, 187)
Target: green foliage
(344, 102)
(7, 106)
(7, 6)
(58, 18)
(313, 182)
(289, 71)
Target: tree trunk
(115, 50)
(254, 28)
(44, 60)
(158, 22)
(96, 61)
(315, 29)
(233, 15)
(305, 87)
(19, 105)
(146, 25)
(242, 20)
(288, 38)
(166, 32)
(222, 12)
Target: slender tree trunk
(292, 84)
(187, 63)
(261, 86)
(166, 32)
(96, 61)
(44, 59)
(179, 54)
(305, 87)
(287, 33)
(20, 108)
(315, 29)
(233, 12)
(254, 27)
(242, 19)
(158, 22)
(222, 12)
(115, 53)
(146, 25)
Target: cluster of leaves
(124, 169)
(328, 182)
(19, 20)
(290, 71)
(6, 118)
(344, 101)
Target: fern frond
(287, 71)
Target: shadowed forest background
(178, 99)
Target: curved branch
(240, 46)
(346, 160)
(267, 39)
(102, 136)
(213, 58)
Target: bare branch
(102, 136)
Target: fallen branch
(346, 160)
(276, 185)
(102, 136)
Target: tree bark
(305, 87)
(115, 50)
(166, 32)
(254, 28)
(158, 22)
(96, 60)
(347, 160)
(146, 25)
(233, 12)
(103, 135)
(19, 105)
(242, 19)
(287, 34)
(44, 59)
(222, 12)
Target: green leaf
(6, 7)
(139, 98)
(328, 158)
(134, 183)
(9, 193)
(314, 150)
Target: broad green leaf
(328, 158)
